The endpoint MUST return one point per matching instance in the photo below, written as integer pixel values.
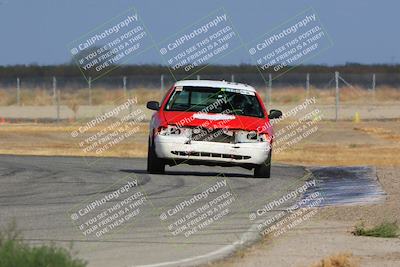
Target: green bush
(15, 253)
(386, 229)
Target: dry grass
(385, 93)
(338, 260)
(100, 96)
(380, 132)
(103, 96)
(334, 144)
(374, 143)
(50, 139)
(341, 155)
(355, 94)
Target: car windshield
(215, 100)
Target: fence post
(90, 90)
(58, 105)
(198, 77)
(337, 95)
(18, 92)
(373, 86)
(308, 85)
(162, 82)
(124, 86)
(232, 78)
(129, 94)
(54, 90)
(269, 89)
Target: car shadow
(191, 173)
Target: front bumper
(175, 148)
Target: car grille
(208, 154)
(216, 135)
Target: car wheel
(264, 170)
(155, 165)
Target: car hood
(209, 120)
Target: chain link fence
(59, 98)
(291, 79)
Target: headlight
(172, 130)
(264, 138)
(250, 137)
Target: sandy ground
(347, 111)
(329, 233)
(375, 143)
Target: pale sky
(38, 31)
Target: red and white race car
(213, 123)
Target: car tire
(264, 170)
(155, 165)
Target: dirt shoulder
(374, 143)
(329, 233)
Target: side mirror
(153, 105)
(274, 114)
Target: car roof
(215, 84)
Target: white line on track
(251, 235)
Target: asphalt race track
(41, 193)
(188, 216)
